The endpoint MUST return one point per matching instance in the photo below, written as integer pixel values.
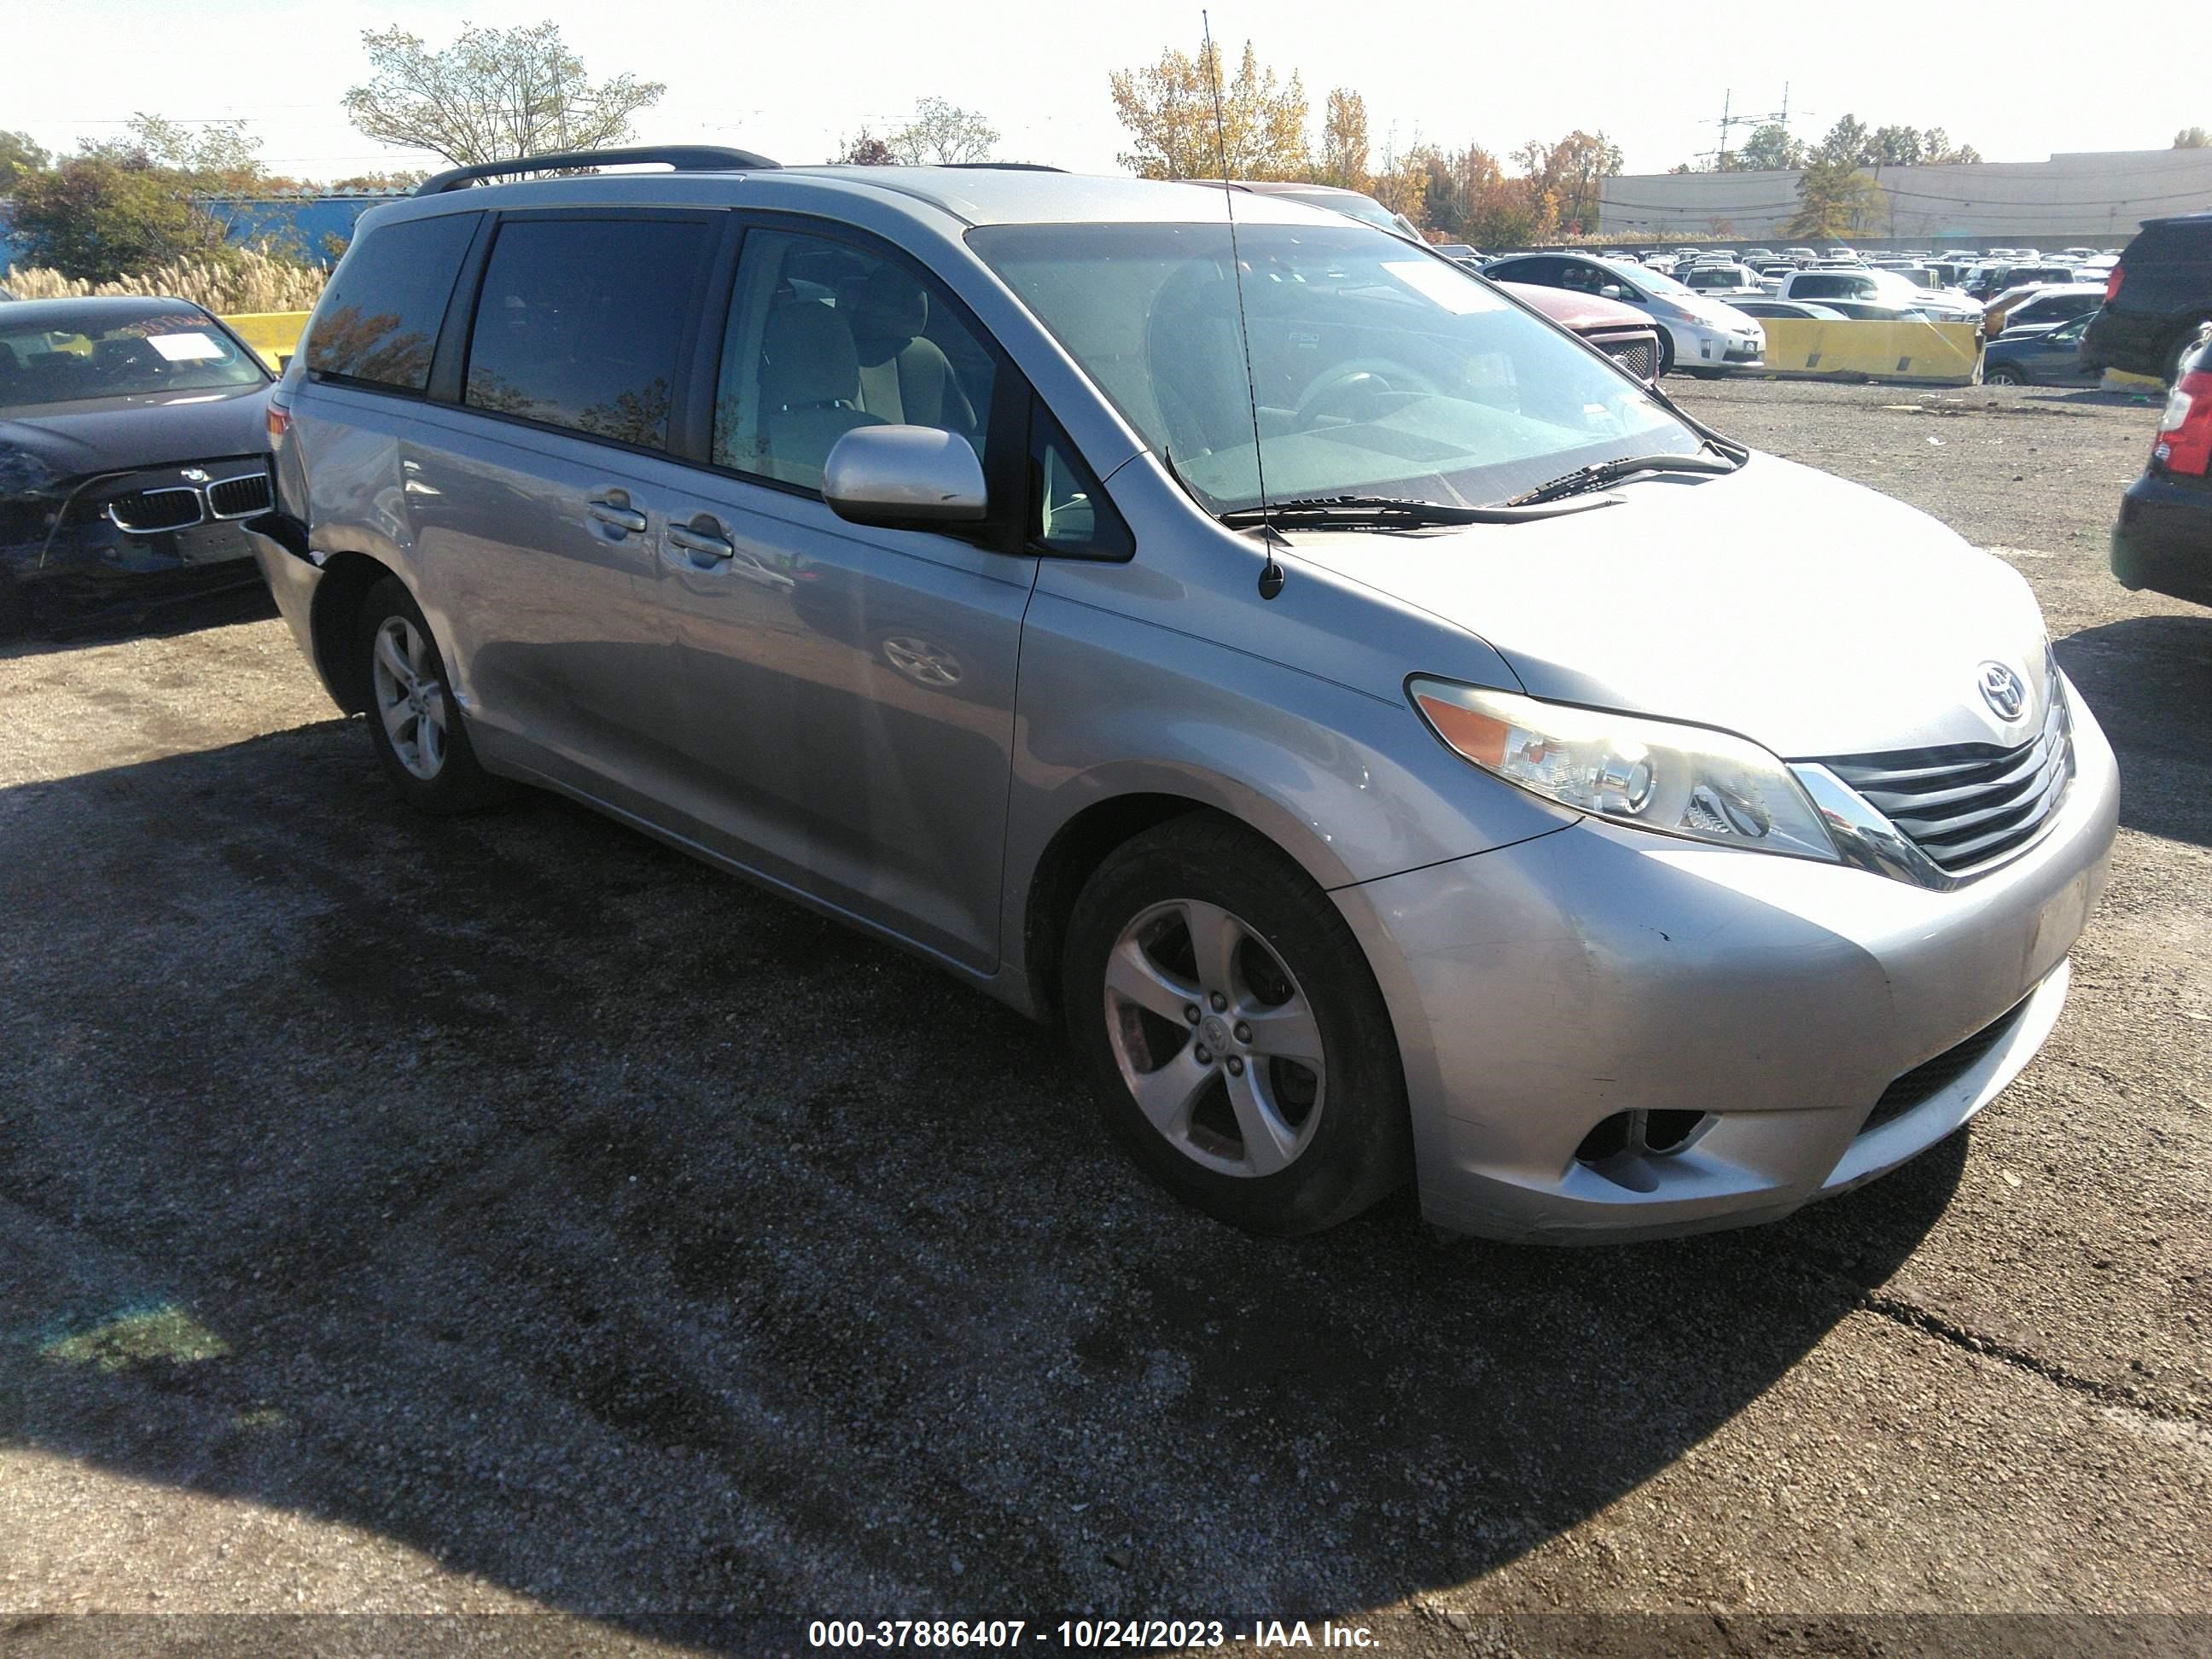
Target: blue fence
(313, 226)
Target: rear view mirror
(904, 477)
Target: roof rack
(1004, 166)
(685, 158)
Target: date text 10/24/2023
(1126, 1635)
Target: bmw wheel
(1235, 1038)
(413, 720)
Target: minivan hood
(1806, 613)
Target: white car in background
(1703, 336)
(1884, 287)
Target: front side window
(1375, 368)
(377, 322)
(824, 338)
(71, 354)
(579, 322)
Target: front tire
(414, 724)
(2003, 374)
(1235, 1036)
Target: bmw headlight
(1677, 779)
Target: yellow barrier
(1942, 354)
(2118, 380)
(274, 335)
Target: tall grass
(248, 280)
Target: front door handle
(701, 542)
(611, 507)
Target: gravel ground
(506, 1214)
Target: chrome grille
(148, 512)
(1966, 804)
(240, 497)
(1639, 357)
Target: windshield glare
(1376, 368)
(1642, 276)
(69, 357)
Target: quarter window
(379, 321)
(581, 321)
(823, 338)
(1073, 519)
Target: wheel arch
(334, 620)
(1091, 835)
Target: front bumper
(2163, 540)
(1541, 988)
(1698, 347)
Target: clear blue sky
(790, 79)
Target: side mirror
(1612, 291)
(904, 477)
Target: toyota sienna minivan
(1395, 743)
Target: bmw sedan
(133, 447)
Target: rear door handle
(611, 507)
(700, 543)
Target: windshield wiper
(1389, 512)
(1584, 478)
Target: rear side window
(379, 322)
(581, 321)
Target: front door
(848, 692)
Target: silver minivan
(1393, 741)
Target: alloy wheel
(1216, 1040)
(411, 698)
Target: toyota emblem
(2003, 690)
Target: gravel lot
(508, 1214)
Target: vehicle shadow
(75, 628)
(2149, 679)
(642, 1243)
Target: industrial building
(2093, 198)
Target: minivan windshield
(1376, 369)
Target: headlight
(1677, 779)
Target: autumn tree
(942, 134)
(1897, 147)
(1771, 148)
(1169, 109)
(20, 156)
(1571, 173)
(492, 95)
(2192, 138)
(1343, 143)
(865, 151)
(1834, 198)
(1936, 149)
(96, 217)
(1848, 143)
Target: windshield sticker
(1455, 293)
(185, 348)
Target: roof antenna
(1270, 573)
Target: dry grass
(253, 280)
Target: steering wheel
(1360, 379)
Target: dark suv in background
(2154, 300)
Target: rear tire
(414, 723)
(1201, 958)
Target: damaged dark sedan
(133, 445)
